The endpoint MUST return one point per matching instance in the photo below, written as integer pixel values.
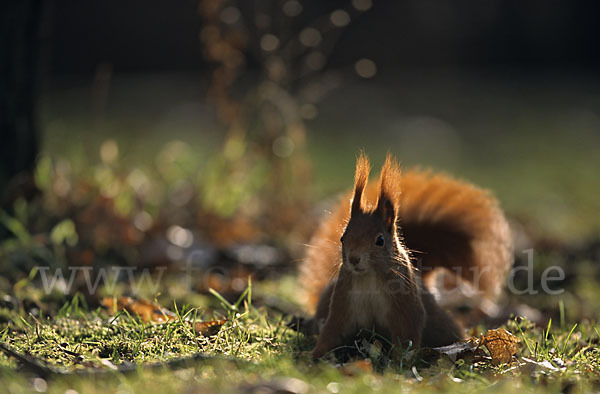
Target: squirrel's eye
(342, 239)
(379, 241)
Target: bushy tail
(445, 223)
(451, 224)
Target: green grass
(256, 347)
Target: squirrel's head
(370, 239)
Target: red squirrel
(369, 261)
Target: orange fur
(389, 180)
(441, 222)
(361, 177)
(467, 229)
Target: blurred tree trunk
(19, 61)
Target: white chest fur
(368, 302)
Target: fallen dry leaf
(458, 349)
(356, 367)
(208, 328)
(151, 312)
(501, 344)
(146, 310)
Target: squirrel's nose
(354, 260)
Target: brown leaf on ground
(458, 350)
(151, 312)
(146, 310)
(501, 344)
(208, 328)
(356, 367)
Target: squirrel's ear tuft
(389, 191)
(361, 177)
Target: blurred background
(136, 132)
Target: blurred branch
(265, 119)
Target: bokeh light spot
(142, 221)
(365, 68)
(269, 42)
(283, 146)
(310, 37)
(292, 8)
(230, 15)
(362, 5)
(180, 236)
(109, 151)
(339, 18)
(39, 385)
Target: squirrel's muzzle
(354, 261)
